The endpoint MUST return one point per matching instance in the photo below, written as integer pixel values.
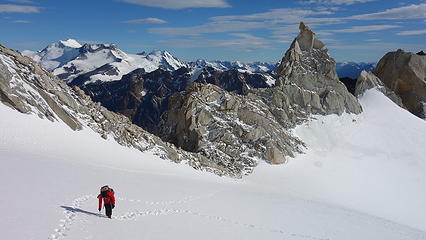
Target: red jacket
(107, 200)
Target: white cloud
(373, 40)
(180, 4)
(335, 2)
(407, 12)
(412, 32)
(22, 21)
(357, 29)
(12, 8)
(146, 21)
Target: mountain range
(73, 62)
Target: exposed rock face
(143, 97)
(140, 96)
(28, 88)
(233, 129)
(308, 75)
(405, 74)
(368, 80)
(234, 80)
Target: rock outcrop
(226, 127)
(405, 74)
(367, 80)
(307, 75)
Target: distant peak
(71, 43)
(160, 53)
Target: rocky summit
(307, 75)
(405, 74)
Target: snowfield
(362, 177)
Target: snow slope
(361, 179)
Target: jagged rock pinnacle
(307, 65)
(307, 39)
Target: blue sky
(246, 30)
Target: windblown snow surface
(362, 177)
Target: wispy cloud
(22, 21)
(373, 40)
(357, 29)
(412, 11)
(335, 2)
(243, 42)
(20, 1)
(181, 4)
(146, 21)
(12, 8)
(412, 32)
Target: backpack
(104, 191)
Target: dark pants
(108, 210)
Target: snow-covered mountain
(80, 64)
(56, 54)
(254, 67)
(76, 63)
(353, 69)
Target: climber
(107, 195)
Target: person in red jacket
(107, 195)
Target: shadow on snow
(78, 210)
